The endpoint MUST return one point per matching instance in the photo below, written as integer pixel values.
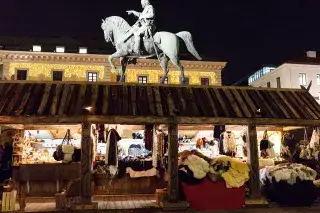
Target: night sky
(246, 34)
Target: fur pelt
(184, 154)
(197, 165)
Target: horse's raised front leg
(164, 65)
(124, 63)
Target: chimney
(311, 54)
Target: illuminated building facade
(60, 66)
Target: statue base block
(178, 206)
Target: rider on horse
(146, 21)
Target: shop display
(289, 184)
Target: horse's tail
(187, 38)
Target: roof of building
(71, 44)
(64, 102)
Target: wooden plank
(233, 103)
(295, 103)
(199, 97)
(242, 104)
(266, 106)
(173, 185)
(7, 96)
(45, 98)
(248, 100)
(142, 104)
(61, 106)
(220, 100)
(31, 107)
(151, 101)
(105, 102)
(312, 101)
(253, 161)
(158, 101)
(56, 98)
(190, 98)
(86, 162)
(12, 101)
(170, 102)
(308, 103)
(25, 99)
(292, 109)
(94, 98)
(69, 105)
(125, 100)
(211, 102)
(276, 100)
(133, 92)
(80, 102)
(275, 106)
(182, 101)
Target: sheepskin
(288, 172)
(197, 165)
(234, 172)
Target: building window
(60, 49)
(83, 50)
(205, 81)
(318, 79)
(166, 80)
(36, 48)
(278, 82)
(118, 78)
(57, 75)
(142, 79)
(92, 76)
(303, 79)
(268, 84)
(22, 74)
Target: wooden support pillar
(173, 188)
(86, 162)
(253, 161)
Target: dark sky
(246, 34)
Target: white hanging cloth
(229, 142)
(314, 139)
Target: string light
(72, 72)
(44, 71)
(173, 76)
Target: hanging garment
(112, 151)
(229, 142)
(314, 139)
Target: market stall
(36, 167)
(172, 105)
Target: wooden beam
(173, 185)
(253, 161)
(86, 162)
(141, 120)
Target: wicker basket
(161, 195)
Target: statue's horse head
(114, 27)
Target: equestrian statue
(141, 41)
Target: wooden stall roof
(25, 102)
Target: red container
(213, 196)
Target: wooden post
(173, 187)
(86, 162)
(253, 161)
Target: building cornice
(24, 56)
